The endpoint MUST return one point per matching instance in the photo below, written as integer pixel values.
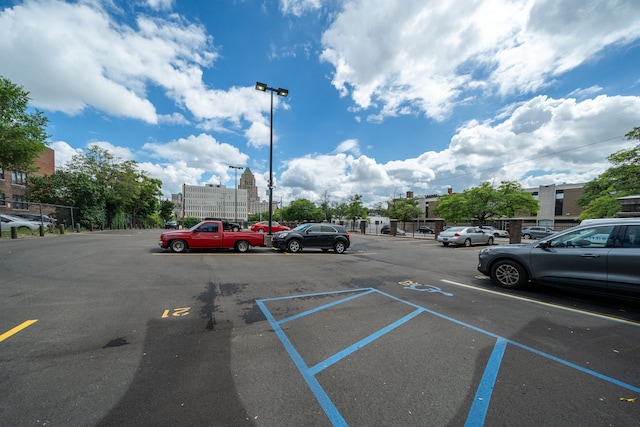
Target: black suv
(322, 236)
(227, 226)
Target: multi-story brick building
(557, 205)
(13, 185)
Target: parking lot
(397, 331)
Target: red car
(263, 227)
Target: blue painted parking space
(317, 345)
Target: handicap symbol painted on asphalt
(408, 284)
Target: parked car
(263, 227)
(9, 221)
(38, 218)
(465, 236)
(536, 232)
(322, 236)
(209, 235)
(425, 230)
(386, 229)
(495, 231)
(172, 224)
(595, 257)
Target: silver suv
(536, 232)
(598, 256)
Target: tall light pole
(281, 92)
(236, 205)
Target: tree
(404, 210)
(340, 210)
(302, 210)
(485, 202)
(599, 198)
(327, 210)
(355, 209)
(102, 190)
(166, 209)
(22, 134)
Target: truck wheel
(178, 246)
(509, 274)
(339, 247)
(294, 246)
(242, 246)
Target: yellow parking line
(17, 329)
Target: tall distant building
(248, 183)
(213, 201)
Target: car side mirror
(542, 245)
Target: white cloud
(298, 7)
(543, 141)
(73, 56)
(63, 152)
(160, 4)
(397, 58)
(201, 151)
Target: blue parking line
(322, 307)
(483, 394)
(347, 351)
(481, 400)
(323, 399)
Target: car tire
(339, 247)
(509, 274)
(526, 236)
(467, 243)
(178, 246)
(242, 246)
(261, 230)
(294, 246)
(490, 241)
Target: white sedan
(9, 221)
(465, 236)
(495, 231)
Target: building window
(18, 177)
(18, 202)
(559, 202)
(1, 173)
(2, 200)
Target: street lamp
(281, 92)
(236, 205)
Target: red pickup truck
(210, 235)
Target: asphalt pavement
(104, 328)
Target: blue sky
(384, 96)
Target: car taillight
(348, 236)
(457, 235)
